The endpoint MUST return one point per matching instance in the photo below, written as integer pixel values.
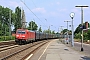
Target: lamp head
(72, 14)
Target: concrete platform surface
(58, 51)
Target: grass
(6, 38)
(84, 41)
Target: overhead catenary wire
(36, 7)
(31, 11)
(34, 3)
(29, 8)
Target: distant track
(6, 47)
(7, 42)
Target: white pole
(72, 34)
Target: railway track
(7, 43)
(6, 47)
(22, 52)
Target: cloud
(75, 10)
(15, 4)
(54, 3)
(58, 3)
(62, 10)
(53, 13)
(11, 4)
(40, 10)
(4, 3)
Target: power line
(40, 13)
(34, 4)
(30, 10)
(36, 7)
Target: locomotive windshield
(20, 32)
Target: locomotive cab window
(21, 32)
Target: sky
(51, 13)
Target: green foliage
(78, 35)
(65, 30)
(40, 30)
(47, 31)
(89, 26)
(53, 32)
(78, 29)
(6, 38)
(4, 19)
(32, 26)
(17, 18)
(86, 34)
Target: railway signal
(86, 25)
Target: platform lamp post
(49, 29)
(72, 14)
(61, 31)
(67, 28)
(82, 25)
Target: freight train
(25, 35)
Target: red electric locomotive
(24, 36)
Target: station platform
(59, 51)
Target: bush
(78, 36)
(6, 38)
(88, 34)
(1, 38)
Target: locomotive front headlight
(23, 36)
(17, 35)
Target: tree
(40, 30)
(78, 29)
(4, 19)
(47, 31)
(13, 18)
(88, 34)
(57, 33)
(70, 32)
(17, 18)
(53, 32)
(65, 30)
(32, 26)
(78, 35)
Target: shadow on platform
(85, 58)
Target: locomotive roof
(31, 31)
